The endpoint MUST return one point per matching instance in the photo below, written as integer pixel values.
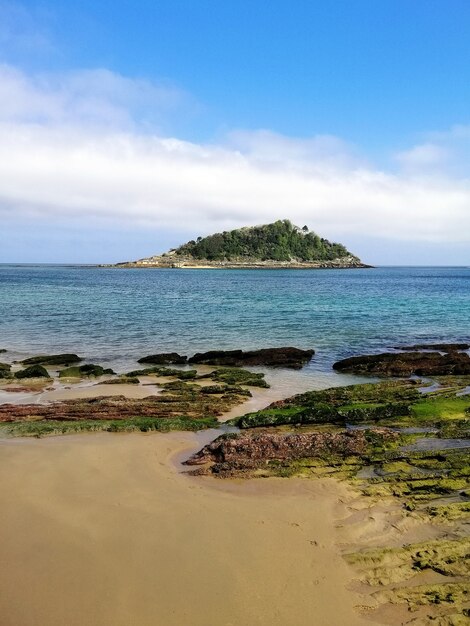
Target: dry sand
(103, 530)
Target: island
(280, 245)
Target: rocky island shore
(280, 245)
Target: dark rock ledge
(407, 364)
(270, 357)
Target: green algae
(382, 566)
(159, 370)
(44, 428)
(449, 512)
(438, 408)
(84, 371)
(33, 371)
(238, 376)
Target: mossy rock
(44, 428)
(81, 371)
(213, 389)
(164, 358)
(450, 512)
(52, 359)
(164, 371)
(238, 376)
(121, 380)
(34, 371)
(5, 370)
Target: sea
(115, 316)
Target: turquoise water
(116, 316)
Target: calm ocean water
(115, 316)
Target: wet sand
(103, 530)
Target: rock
(236, 376)
(251, 450)
(84, 370)
(165, 358)
(211, 389)
(442, 347)
(34, 371)
(5, 370)
(407, 363)
(52, 359)
(159, 370)
(271, 357)
(185, 402)
(2, 350)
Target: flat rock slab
(52, 359)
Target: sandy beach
(103, 529)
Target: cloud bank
(86, 145)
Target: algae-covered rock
(52, 359)
(159, 370)
(236, 376)
(5, 370)
(164, 358)
(33, 371)
(81, 371)
(213, 389)
(338, 405)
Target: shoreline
(361, 523)
(118, 524)
(234, 266)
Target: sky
(128, 128)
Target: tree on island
(280, 241)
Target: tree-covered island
(277, 245)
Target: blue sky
(130, 127)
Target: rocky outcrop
(185, 401)
(165, 358)
(248, 451)
(5, 370)
(294, 358)
(407, 363)
(52, 359)
(83, 371)
(33, 371)
(169, 261)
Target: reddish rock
(252, 450)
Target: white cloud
(94, 97)
(423, 155)
(71, 146)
